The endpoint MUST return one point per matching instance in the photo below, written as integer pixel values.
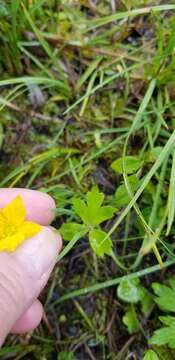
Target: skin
(25, 272)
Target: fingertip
(30, 319)
(40, 206)
(39, 253)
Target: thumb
(23, 274)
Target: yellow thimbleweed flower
(14, 228)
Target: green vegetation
(87, 101)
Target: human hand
(24, 272)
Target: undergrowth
(87, 101)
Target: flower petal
(15, 211)
(10, 243)
(29, 229)
(3, 225)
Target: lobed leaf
(131, 321)
(165, 295)
(93, 213)
(132, 164)
(68, 230)
(100, 243)
(166, 334)
(151, 355)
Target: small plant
(88, 96)
(139, 300)
(165, 299)
(92, 214)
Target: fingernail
(37, 254)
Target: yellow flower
(14, 228)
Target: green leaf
(151, 355)
(66, 355)
(104, 213)
(132, 291)
(128, 291)
(121, 194)
(3, 9)
(146, 300)
(92, 212)
(165, 295)
(94, 198)
(99, 243)
(164, 353)
(167, 320)
(80, 208)
(132, 164)
(166, 334)
(68, 230)
(131, 321)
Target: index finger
(40, 206)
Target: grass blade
(131, 13)
(113, 282)
(171, 197)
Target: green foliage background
(87, 105)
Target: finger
(32, 318)
(29, 320)
(38, 254)
(23, 274)
(40, 206)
